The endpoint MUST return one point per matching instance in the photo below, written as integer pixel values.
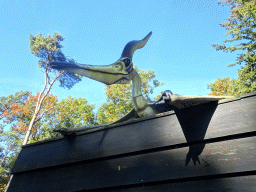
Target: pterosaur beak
(115, 73)
(107, 74)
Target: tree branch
(40, 95)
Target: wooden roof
(149, 154)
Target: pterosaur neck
(139, 101)
(136, 83)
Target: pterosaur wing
(130, 116)
(182, 101)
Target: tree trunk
(4, 158)
(40, 100)
(25, 141)
(8, 183)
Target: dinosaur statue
(122, 72)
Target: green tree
(10, 141)
(70, 113)
(119, 97)
(223, 86)
(241, 26)
(6, 104)
(23, 113)
(11, 144)
(48, 49)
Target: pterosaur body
(122, 72)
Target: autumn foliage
(24, 111)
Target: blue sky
(96, 32)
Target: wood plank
(217, 158)
(231, 184)
(197, 123)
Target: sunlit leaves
(241, 26)
(7, 102)
(244, 84)
(24, 111)
(70, 113)
(224, 86)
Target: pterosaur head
(116, 73)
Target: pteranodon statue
(122, 72)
